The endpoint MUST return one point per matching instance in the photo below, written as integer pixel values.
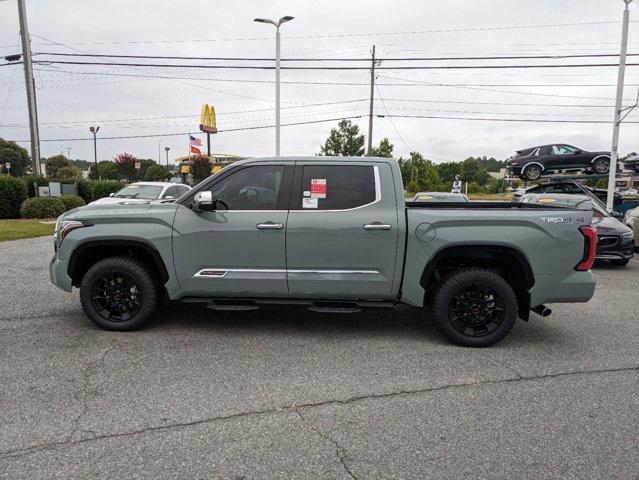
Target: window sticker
(318, 188)
(309, 202)
(307, 193)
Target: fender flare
(600, 156)
(523, 169)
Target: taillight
(590, 248)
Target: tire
(620, 262)
(119, 293)
(462, 309)
(601, 166)
(532, 172)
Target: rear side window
(337, 187)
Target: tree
(200, 167)
(107, 170)
(125, 163)
(419, 174)
(344, 141)
(68, 173)
(156, 173)
(55, 163)
(449, 171)
(473, 171)
(18, 157)
(384, 150)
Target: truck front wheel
(474, 307)
(119, 293)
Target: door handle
(269, 226)
(377, 226)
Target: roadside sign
(457, 184)
(8, 165)
(184, 169)
(137, 165)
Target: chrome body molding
(222, 272)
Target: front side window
(337, 187)
(564, 149)
(251, 188)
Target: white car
(140, 192)
(631, 218)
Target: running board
(321, 306)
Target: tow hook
(542, 310)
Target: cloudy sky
(132, 101)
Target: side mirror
(169, 197)
(578, 152)
(203, 201)
(111, 194)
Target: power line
(483, 119)
(324, 59)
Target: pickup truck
(333, 234)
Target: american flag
(195, 141)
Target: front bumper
(513, 169)
(58, 274)
(614, 248)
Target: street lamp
(94, 131)
(277, 74)
(166, 149)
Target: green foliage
(449, 171)
(107, 170)
(18, 157)
(85, 190)
(42, 207)
(30, 179)
(55, 163)
(68, 174)
(145, 164)
(157, 173)
(126, 166)
(72, 201)
(384, 150)
(102, 188)
(473, 171)
(12, 193)
(419, 174)
(200, 168)
(602, 183)
(474, 187)
(344, 141)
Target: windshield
(147, 192)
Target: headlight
(627, 235)
(64, 227)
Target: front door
(342, 232)
(239, 249)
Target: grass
(17, 229)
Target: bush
(30, 179)
(156, 173)
(72, 201)
(69, 173)
(13, 192)
(108, 170)
(102, 188)
(42, 207)
(85, 190)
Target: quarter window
(251, 188)
(337, 187)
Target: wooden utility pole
(369, 149)
(30, 87)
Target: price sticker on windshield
(318, 188)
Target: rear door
(342, 231)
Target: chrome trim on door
(269, 226)
(221, 272)
(377, 226)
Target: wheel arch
(523, 169)
(87, 253)
(600, 156)
(510, 262)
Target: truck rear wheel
(474, 307)
(119, 293)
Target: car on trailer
(439, 197)
(571, 187)
(531, 163)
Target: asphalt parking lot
(295, 394)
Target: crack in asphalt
(90, 369)
(19, 452)
(501, 364)
(340, 452)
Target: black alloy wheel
(476, 310)
(116, 297)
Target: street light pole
(94, 131)
(614, 152)
(277, 74)
(166, 149)
(30, 87)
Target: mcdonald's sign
(207, 119)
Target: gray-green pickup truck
(331, 234)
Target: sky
(132, 101)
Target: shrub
(85, 190)
(42, 207)
(72, 201)
(69, 173)
(13, 192)
(108, 170)
(102, 188)
(156, 173)
(30, 179)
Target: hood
(117, 200)
(603, 152)
(609, 226)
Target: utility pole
(69, 153)
(159, 150)
(369, 149)
(30, 87)
(614, 152)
